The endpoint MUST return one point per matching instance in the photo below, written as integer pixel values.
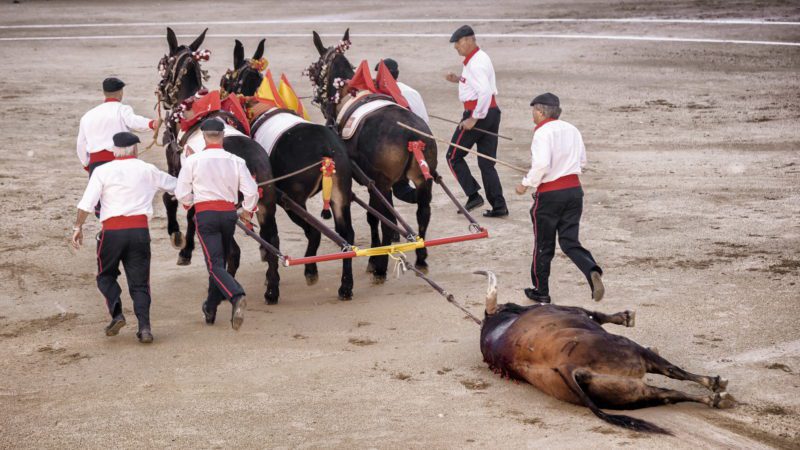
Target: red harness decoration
(417, 148)
(386, 84)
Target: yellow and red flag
(268, 93)
(290, 99)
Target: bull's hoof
(720, 384)
(370, 267)
(311, 279)
(378, 279)
(723, 400)
(184, 261)
(630, 319)
(345, 294)
(653, 349)
(177, 240)
(422, 267)
(264, 254)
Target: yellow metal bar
(389, 249)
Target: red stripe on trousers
(100, 267)
(450, 161)
(535, 239)
(208, 259)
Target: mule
(299, 146)
(379, 147)
(565, 352)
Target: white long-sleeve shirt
(557, 150)
(477, 82)
(100, 124)
(214, 174)
(125, 187)
(415, 103)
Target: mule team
(242, 148)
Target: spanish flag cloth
(290, 99)
(268, 93)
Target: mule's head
(247, 73)
(180, 71)
(329, 74)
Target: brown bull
(565, 352)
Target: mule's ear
(259, 50)
(238, 54)
(318, 43)
(346, 36)
(199, 41)
(172, 40)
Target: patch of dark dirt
(779, 366)
(475, 385)
(751, 432)
(401, 376)
(361, 342)
(22, 327)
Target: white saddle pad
(196, 143)
(272, 130)
(352, 123)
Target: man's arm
(583, 151)
(77, 230)
(83, 152)
(540, 161)
(480, 82)
(163, 181)
(135, 122)
(183, 185)
(249, 189)
(90, 198)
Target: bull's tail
(631, 423)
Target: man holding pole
(476, 90)
(557, 154)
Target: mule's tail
(631, 423)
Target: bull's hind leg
(621, 392)
(626, 318)
(657, 364)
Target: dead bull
(565, 352)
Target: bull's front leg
(626, 318)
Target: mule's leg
(381, 263)
(374, 223)
(657, 364)
(234, 258)
(313, 235)
(269, 232)
(340, 205)
(173, 228)
(626, 318)
(621, 392)
(424, 194)
(185, 255)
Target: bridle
(319, 74)
(233, 80)
(172, 70)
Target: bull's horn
(491, 291)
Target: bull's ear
(259, 50)
(199, 41)
(172, 40)
(318, 43)
(346, 36)
(238, 54)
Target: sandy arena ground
(692, 208)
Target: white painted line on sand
(416, 35)
(324, 20)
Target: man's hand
(521, 189)
(245, 217)
(157, 124)
(467, 124)
(77, 237)
(451, 77)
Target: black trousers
(558, 213)
(215, 230)
(132, 248)
(487, 145)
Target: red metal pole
(449, 240)
(319, 258)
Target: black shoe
(475, 200)
(534, 295)
(116, 324)
(237, 313)
(496, 212)
(210, 315)
(598, 290)
(145, 336)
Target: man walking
(557, 154)
(211, 181)
(125, 188)
(477, 90)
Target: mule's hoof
(422, 267)
(720, 384)
(370, 267)
(183, 261)
(270, 299)
(326, 214)
(311, 279)
(378, 279)
(630, 319)
(177, 240)
(345, 294)
(723, 400)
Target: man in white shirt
(125, 188)
(477, 90)
(557, 156)
(210, 181)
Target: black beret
(391, 65)
(463, 31)
(112, 84)
(212, 125)
(125, 139)
(546, 99)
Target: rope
(289, 175)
